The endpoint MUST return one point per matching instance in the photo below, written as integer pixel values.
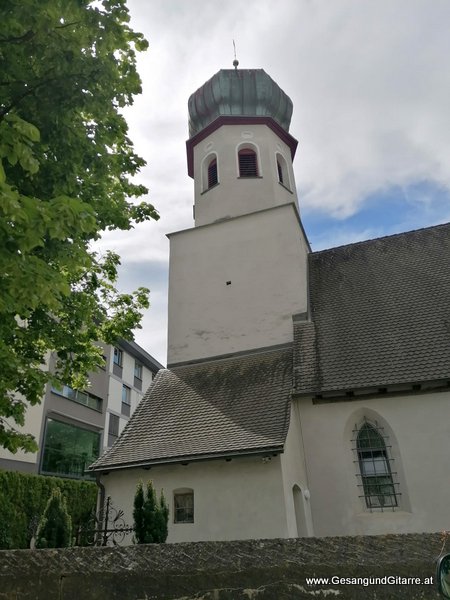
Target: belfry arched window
(248, 163)
(375, 470)
(212, 173)
(282, 171)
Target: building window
(282, 171)
(126, 400)
(68, 450)
(137, 375)
(212, 174)
(118, 357)
(375, 471)
(113, 429)
(183, 504)
(248, 163)
(78, 396)
(137, 370)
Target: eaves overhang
(286, 137)
(262, 451)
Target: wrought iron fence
(105, 528)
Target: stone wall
(257, 569)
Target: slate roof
(225, 407)
(380, 314)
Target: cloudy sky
(370, 83)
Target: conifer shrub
(23, 498)
(55, 526)
(150, 515)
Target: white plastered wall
(263, 256)
(418, 428)
(235, 196)
(295, 475)
(239, 499)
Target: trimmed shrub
(55, 527)
(23, 498)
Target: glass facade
(69, 450)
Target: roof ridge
(383, 237)
(240, 354)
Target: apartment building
(73, 428)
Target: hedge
(23, 498)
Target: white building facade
(307, 393)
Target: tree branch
(17, 39)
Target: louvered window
(248, 164)
(376, 475)
(280, 172)
(212, 174)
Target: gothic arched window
(375, 468)
(248, 163)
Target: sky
(370, 84)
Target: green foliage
(55, 526)
(66, 169)
(150, 515)
(138, 513)
(162, 519)
(23, 498)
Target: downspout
(100, 502)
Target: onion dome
(238, 92)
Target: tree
(162, 520)
(150, 515)
(66, 168)
(55, 527)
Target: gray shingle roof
(220, 408)
(380, 314)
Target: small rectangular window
(118, 357)
(126, 400)
(138, 370)
(184, 507)
(126, 394)
(113, 429)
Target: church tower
(239, 275)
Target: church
(306, 393)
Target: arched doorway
(299, 507)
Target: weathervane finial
(235, 61)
